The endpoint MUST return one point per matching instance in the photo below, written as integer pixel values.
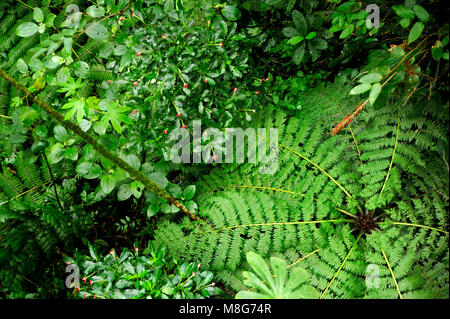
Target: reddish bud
(132, 14)
(163, 36)
(185, 85)
(221, 44)
(209, 21)
(215, 157)
(257, 92)
(179, 115)
(198, 265)
(205, 80)
(194, 274)
(68, 263)
(107, 81)
(134, 111)
(267, 79)
(135, 83)
(254, 111)
(183, 126)
(235, 89)
(91, 282)
(213, 284)
(78, 289)
(136, 248)
(165, 132)
(84, 279)
(138, 53)
(262, 80)
(94, 296)
(84, 296)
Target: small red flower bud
(84, 279)
(204, 134)
(205, 80)
(111, 252)
(94, 296)
(165, 132)
(267, 79)
(198, 265)
(84, 296)
(68, 263)
(262, 80)
(163, 36)
(254, 111)
(135, 83)
(179, 115)
(194, 274)
(235, 89)
(257, 92)
(91, 282)
(136, 248)
(215, 157)
(107, 81)
(213, 284)
(138, 53)
(185, 85)
(183, 126)
(134, 111)
(132, 14)
(78, 289)
(209, 21)
(221, 44)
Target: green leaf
(27, 29)
(159, 179)
(175, 190)
(371, 78)
(89, 170)
(403, 12)
(300, 22)
(359, 89)
(291, 32)
(415, 31)
(347, 31)
(22, 66)
(153, 209)
(319, 44)
(295, 40)
(95, 12)
(62, 75)
(230, 12)
(75, 106)
(260, 267)
(60, 133)
(96, 31)
(38, 15)
(405, 23)
(124, 192)
(137, 188)
(299, 53)
(421, 13)
(311, 35)
(107, 183)
(71, 154)
(189, 192)
(374, 92)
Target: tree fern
(372, 197)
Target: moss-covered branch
(137, 175)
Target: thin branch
(392, 274)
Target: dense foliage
(90, 92)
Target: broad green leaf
(279, 268)
(96, 31)
(75, 106)
(311, 35)
(297, 277)
(124, 192)
(300, 22)
(295, 40)
(62, 76)
(260, 267)
(230, 12)
(403, 12)
(175, 190)
(89, 170)
(107, 183)
(371, 78)
(374, 92)
(38, 15)
(405, 23)
(22, 66)
(319, 44)
(347, 31)
(153, 209)
(95, 12)
(415, 31)
(71, 154)
(421, 13)
(189, 192)
(299, 53)
(159, 179)
(359, 89)
(137, 188)
(27, 29)
(60, 133)
(291, 32)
